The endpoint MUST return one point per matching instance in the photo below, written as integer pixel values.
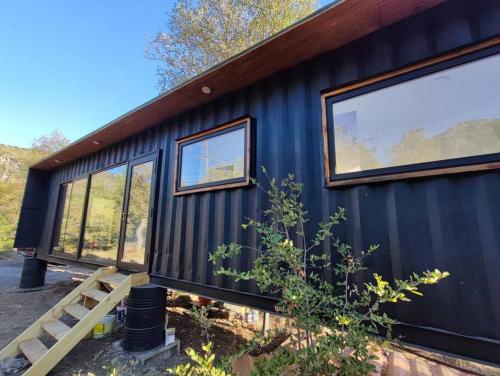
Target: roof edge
(191, 80)
(342, 22)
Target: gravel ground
(18, 310)
(11, 265)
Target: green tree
(14, 165)
(335, 318)
(469, 138)
(204, 33)
(352, 154)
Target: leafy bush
(334, 316)
(257, 345)
(200, 314)
(202, 364)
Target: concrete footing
(162, 352)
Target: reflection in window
(134, 249)
(217, 158)
(69, 217)
(102, 227)
(450, 114)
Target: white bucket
(104, 327)
(169, 335)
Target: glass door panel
(104, 212)
(137, 216)
(66, 236)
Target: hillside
(14, 164)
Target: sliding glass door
(137, 214)
(106, 218)
(104, 208)
(68, 221)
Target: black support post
(33, 274)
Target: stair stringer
(80, 330)
(65, 344)
(35, 330)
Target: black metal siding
(450, 222)
(33, 208)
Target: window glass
(213, 159)
(104, 213)
(453, 113)
(69, 217)
(134, 248)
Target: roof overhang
(325, 30)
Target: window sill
(414, 174)
(213, 188)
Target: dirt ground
(91, 356)
(20, 309)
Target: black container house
(390, 109)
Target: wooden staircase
(88, 303)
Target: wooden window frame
(244, 123)
(433, 168)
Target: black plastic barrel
(145, 320)
(33, 274)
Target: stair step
(44, 355)
(441, 370)
(419, 367)
(95, 294)
(113, 279)
(76, 310)
(56, 328)
(378, 362)
(398, 365)
(33, 349)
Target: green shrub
(335, 318)
(200, 314)
(201, 365)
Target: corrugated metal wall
(33, 209)
(452, 222)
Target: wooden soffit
(325, 30)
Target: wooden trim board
(248, 157)
(403, 175)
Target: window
(215, 159)
(104, 215)
(443, 117)
(66, 239)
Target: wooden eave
(325, 30)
